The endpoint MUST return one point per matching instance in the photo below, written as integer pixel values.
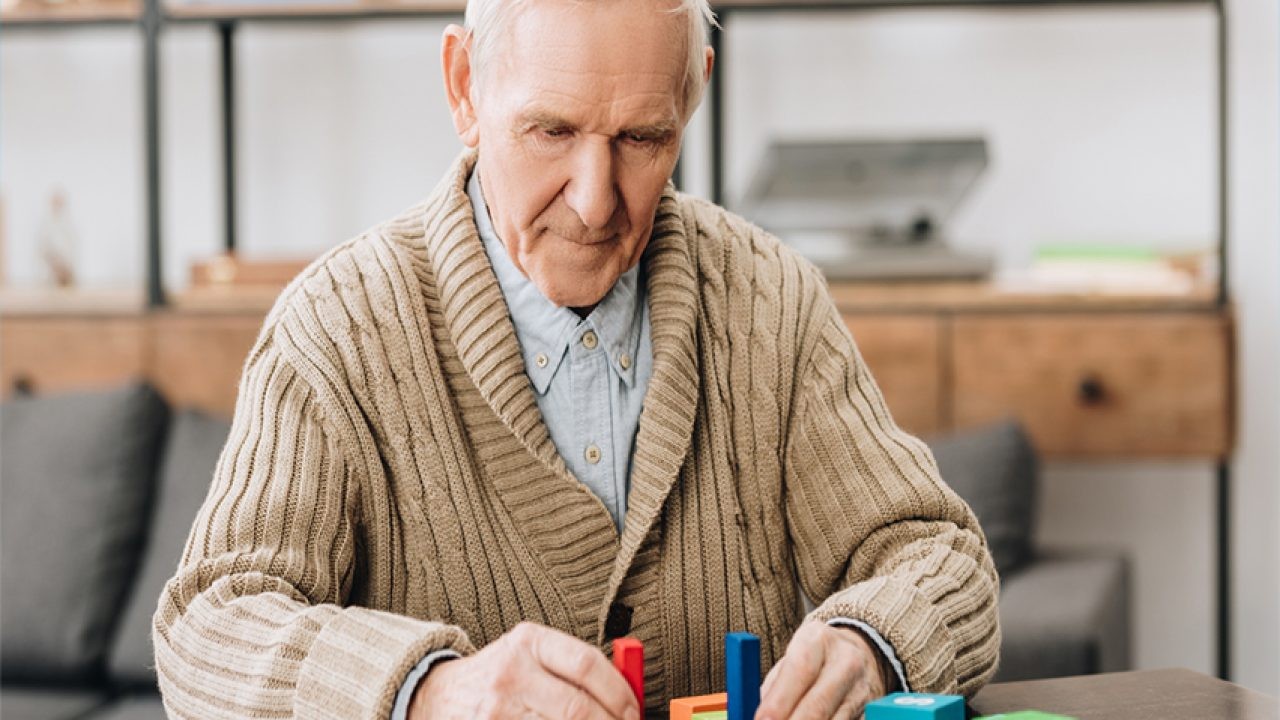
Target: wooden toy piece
(742, 668)
(628, 657)
(686, 708)
(712, 715)
(1025, 715)
(916, 706)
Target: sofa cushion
(20, 703)
(995, 470)
(186, 470)
(142, 707)
(77, 478)
(1064, 616)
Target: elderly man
(557, 403)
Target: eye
(556, 132)
(639, 138)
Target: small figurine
(57, 241)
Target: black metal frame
(154, 18)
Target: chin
(573, 297)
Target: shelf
(793, 5)
(71, 13)
(217, 11)
(876, 297)
(32, 301)
(249, 299)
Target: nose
(592, 192)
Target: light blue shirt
(589, 377)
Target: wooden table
(1145, 695)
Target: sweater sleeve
(876, 531)
(254, 623)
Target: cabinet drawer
(52, 354)
(904, 355)
(197, 359)
(1099, 385)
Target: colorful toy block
(916, 706)
(742, 670)
(713, 715)
(1025, 715)
(628, 657)
(687, 708)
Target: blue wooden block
(916, 706)
(742, 668)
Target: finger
(797, 672)
(769, 679)
(853, 706)
(546, 696)
(580, 664)
(828, 692)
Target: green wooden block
(1025, 715)
(712, 715)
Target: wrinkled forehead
(596, 52)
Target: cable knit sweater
(389, 489)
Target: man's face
(578, 121)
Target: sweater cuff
(904, 619)
(400, 711)
(359, 658)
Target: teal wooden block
(916, 706)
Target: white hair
(486, 22)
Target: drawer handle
(1091, 390)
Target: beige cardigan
(389, 488)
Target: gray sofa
(98, 491)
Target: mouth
(588, 240)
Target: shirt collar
(544, 329)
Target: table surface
(1144, 695)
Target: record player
(870, 209)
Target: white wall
(1255, 289)
(71, 118)
(1101, 127)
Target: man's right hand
(531, 672)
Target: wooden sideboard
(193, 352)
(1090, 376)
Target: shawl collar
(578, 544)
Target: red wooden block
(628, 657)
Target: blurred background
(1053, 229)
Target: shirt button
(625, 362)
(592, 454)
(589, 340)
(540, 360)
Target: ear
(455, 61)
(711, 61)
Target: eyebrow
(545, 120)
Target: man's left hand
(827, 672)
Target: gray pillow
(77, 476)
(995, 470)
(190, 455)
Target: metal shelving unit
(153, 16)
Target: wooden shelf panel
(785, 5)
(312, 10)
(72, 12)
(979, 296)
(19, 301)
